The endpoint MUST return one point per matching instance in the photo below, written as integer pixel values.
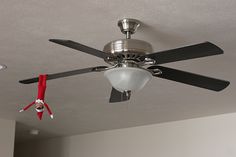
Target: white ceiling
(80, 103)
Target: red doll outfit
(39, 102)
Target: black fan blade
(80, 47)
(191, 79)
(189, 52)
(66, 74)
(117, 96)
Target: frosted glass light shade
(127, 78)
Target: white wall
(202, 137)
(7, 135)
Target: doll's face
(39, 106)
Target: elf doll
(39, 102)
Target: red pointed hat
(40, 115)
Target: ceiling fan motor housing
(128, 49)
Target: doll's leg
(41, 87)
(40, 80)
(44, 79)
(49, 110)
(27, 107)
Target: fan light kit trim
(128, 57)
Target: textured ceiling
(80, 103)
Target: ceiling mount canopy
(128, 26)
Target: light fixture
(128, 78)
(2, 66)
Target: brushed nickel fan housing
(128, 49)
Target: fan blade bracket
(146, 61)
(127, 94)
(155, 71)
(100, 68)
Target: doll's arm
(27, 107)
(49, 110)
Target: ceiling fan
(128, 58)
